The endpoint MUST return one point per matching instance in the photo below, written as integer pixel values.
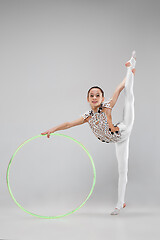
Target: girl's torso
(99, 125)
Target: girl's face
(95, 97)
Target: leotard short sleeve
(107, 104)
(86, 114)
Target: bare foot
(117, 211)
(128, 64)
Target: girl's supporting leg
(122, 153)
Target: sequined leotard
(99, 125)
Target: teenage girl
(100, 121)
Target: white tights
(122, 147)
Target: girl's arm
(116, 93)
(113, 101)
(64, 126)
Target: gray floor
(87, 223)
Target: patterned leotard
(99, 125)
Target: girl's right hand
(113, 129)
(48, 132)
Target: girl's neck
(95, 109)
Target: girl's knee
(123, 175)
(130, 98)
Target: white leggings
(122, 147)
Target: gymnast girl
(99, 119)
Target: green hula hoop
(58, 216)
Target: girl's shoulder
(107, 104)
(86, 114)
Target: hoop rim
(58, 216)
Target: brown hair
(98, 88)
